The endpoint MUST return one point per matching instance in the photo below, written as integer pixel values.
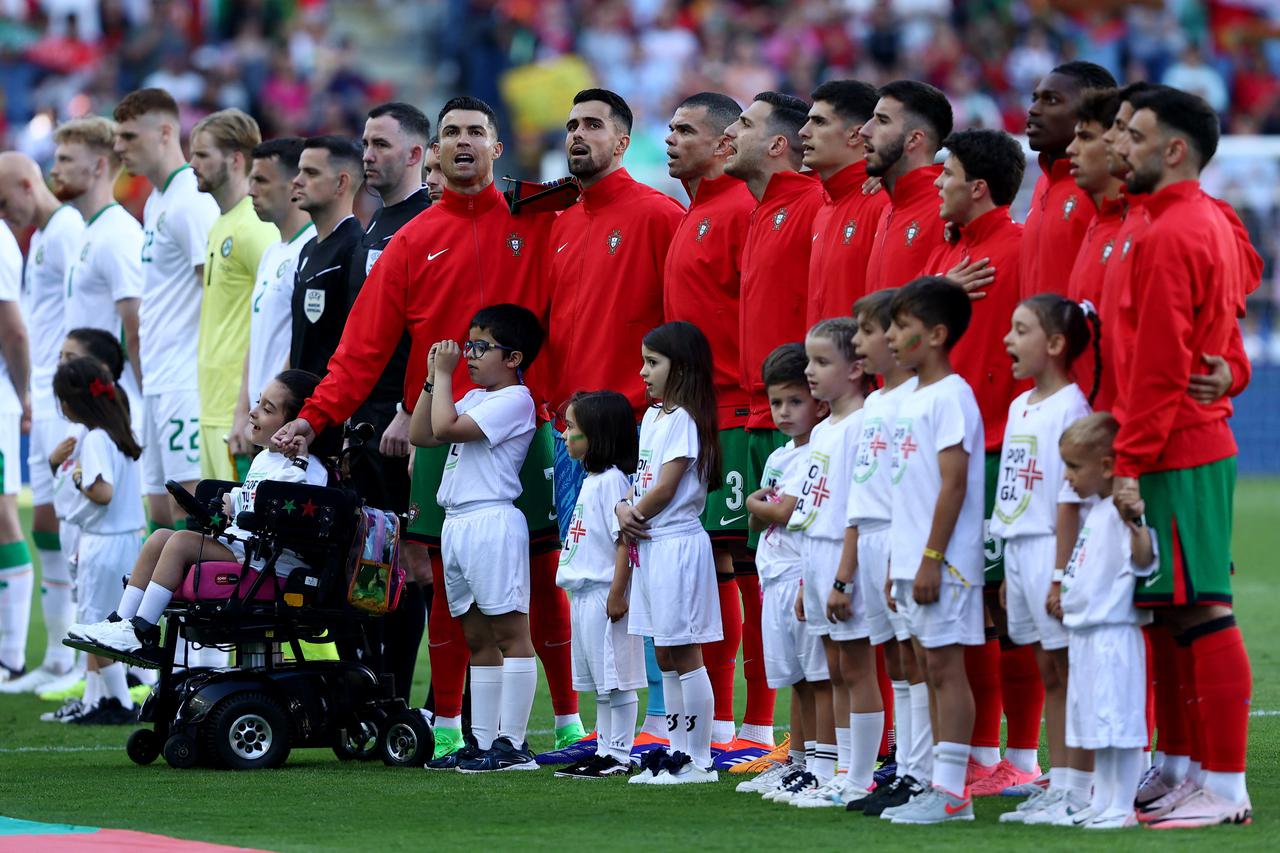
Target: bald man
(26, 201)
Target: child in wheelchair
(167, 554)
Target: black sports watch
(839, 585)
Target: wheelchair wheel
(407, 740)
(143, 747)
(248, 731)
(181, 752)
(358, 745)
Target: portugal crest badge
(614, 240)
(850, 229)
(1106, 251)
(913, 231)
(703, 227)
(515, 243)
(1068, 206)
(779, 218)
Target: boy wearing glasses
(485, 540)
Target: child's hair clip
(99, 388)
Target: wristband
(839, 585)
(1058, 575)
(400, 406)
(931, 554)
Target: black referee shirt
(320, 302)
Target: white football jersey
(1100, 578)
(10, 291)
(589, 551)
(106, 267)
(870, 498)
(822, 491)
(489, 469)
(778, 553)
(175, 224)
(43, 282)
(271, 320)
(665, 439)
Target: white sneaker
(66, 709)
(849, 791)
(33, 682)
(1112, 820)
(86, 630)
(1033, 806)
(822, 797)
(798, 784)
(689, 774)
(117, 636)
(1075, 814)
(1169, 802)
(765, 781)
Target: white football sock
(1079, 784)
(796, 754)
(1128, 773)
(519, 684)
(602, 724)
(950, 760)
(1174, 769)
(1023, 759)
(655, 724)
(844, 740)
(58, 607)
(865, 731)
(823, 764)
(486, 703)
(921, 734)
(16, 582)
(757, 734)
(448, 723)
(115, 685)
(154, 601)
(1195, 772)
(1104, 780)
(623, 707)
(93, 689)
(721, 731)
(563, 720)
(1057, 778)
(1229, 786)
(985, 755)
(810, 751)
(902, 725)
(697, 714)
(129, 601)
(673, 701)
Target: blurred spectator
(1191, 74)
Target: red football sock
(1171, 724)
(1188, 700)
(1151, 693)
(550, 632)
(1022, 690)
(760, 696)
(1224, 683)
(982, 664)
(721, 657)
(446, 647)
(886, 696)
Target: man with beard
(1175, 457)
(26, 201)
(610, 251)
(432, 177)
(1060, 211)
(703, 276)
(473, 251)
(845, 227)
(221, 155)
(395, 147)
(902, 138)
(325, 187)
(175, 230)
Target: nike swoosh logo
(557, 645)
(956, 808)
(434, 255)
(562, 248)
(1149, 581)
(726, 522)
(432, 645)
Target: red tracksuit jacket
(454, 258)
(980, 356)
(704, 277)
(606, 293)
(844, 232)
(909, 231)
(1086, 284)
(1059, 216)
(775, 276)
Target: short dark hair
(875, 307)
(142, 101)
(992, 156)
(609, 424)
(103, 346)
(1099, 106)
(512, 326)
(840, 331)
(789, 114)
(1186, 115)
(467, 102)
(853, 100)
(935, 301)
(412, 120)
(924, 105)
(1137, 87)
(1089, 75)
(286, 149)
(342, 149)
(722, 110)
(618, 109)
(785, 366)
(301, 384)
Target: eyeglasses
(477, 349)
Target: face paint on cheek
(913, 342)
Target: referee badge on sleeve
(371, 259)
(313, 304)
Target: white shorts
(791, 653)
(1028, 574)
(1107, 688)
(821, 559)
(170, 439)
(10, 448)
(486, 560)
(673, 590)
(103, 564)
(873, 569)
(605, 655)
(46, 434)
(954, 619)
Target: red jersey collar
(471, 205)
(1058, 171)
(1113, 208)
(984, 226)
(710, 188)
(608, 189)
(914, 186)
(786, 185)
(847, 180)
(1157, 202)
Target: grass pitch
(80, 775)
